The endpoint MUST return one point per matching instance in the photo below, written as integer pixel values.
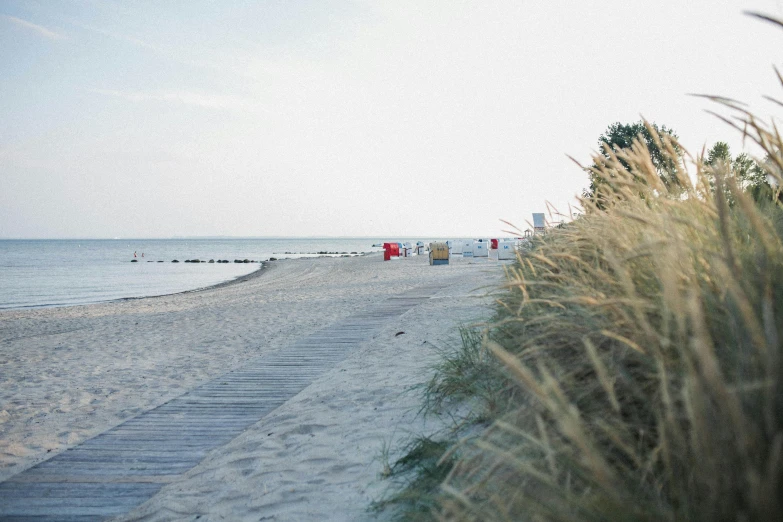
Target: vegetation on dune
(633, 368)
(417, 477)
(644, 343)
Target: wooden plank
(77, 505)
(60, 489)
(192, 426)
(183, 441)
(61, 518)
(170, 451)
(108, 465)
(138, 458)
(107, 470)
(77, 479)
(59, 512)
(193, 419)
(147, 445)
(196, 425)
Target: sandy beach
(67, 374)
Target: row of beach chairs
(440, 251)
(506, 248)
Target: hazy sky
(411, 118)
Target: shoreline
(237, 280)
(73, 372)
(86, 272)
(265, 267)
(268, 265)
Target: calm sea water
(35, 273)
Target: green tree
(719, 152)
(621, 136)
(756, 180)
(747, 173)
(719, 159)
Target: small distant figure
(142, 254)
(134, 253)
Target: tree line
(749, 174)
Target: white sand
(67, 374)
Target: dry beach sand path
(71, 373)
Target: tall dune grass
(642, 348)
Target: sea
(64, 272)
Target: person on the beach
(134, 253)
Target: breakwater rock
(211, 261)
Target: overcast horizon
(346, 119)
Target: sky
(416, 118)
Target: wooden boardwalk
(125, 466)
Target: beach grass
(416, 478)
(633, 368)
(466, 374)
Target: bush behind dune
(642, 349)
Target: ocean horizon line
(169, 238)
